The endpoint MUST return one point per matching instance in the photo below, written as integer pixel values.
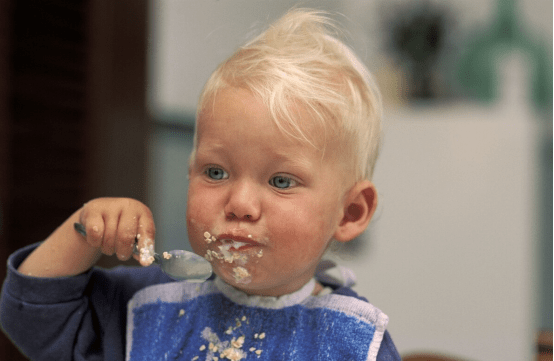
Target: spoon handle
(80, 228)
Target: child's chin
(235, 275)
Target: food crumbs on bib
(212, 347)
(181, 312)
(262, 335)
(237, 343)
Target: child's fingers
(146, 234)
(112, 224)
(126, 235)
(94, 226)
(110, 235)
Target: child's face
(271, 203)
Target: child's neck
(238, 296)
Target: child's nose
(243, 203)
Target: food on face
(209, 238)
(241, 275)
(229, 251)
(231, 256)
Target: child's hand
(113, 224)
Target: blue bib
(214, 321)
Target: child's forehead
(293, 120)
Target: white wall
(451, 256)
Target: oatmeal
(232, 347)
(241, 275)
(147, 254)
(232, 251)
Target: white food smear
(227, 255)
(229, 251)
(147, 254)
(241, 275)
(225, 250)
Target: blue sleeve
(70, 318)
(387, 350)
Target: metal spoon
(179, 265)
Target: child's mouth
(232, 244)
(231, 248)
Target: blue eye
(216, 173)
(282, 182)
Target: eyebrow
(294, 160)
(211, 147)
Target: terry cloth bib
(214, 321)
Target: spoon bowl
(185, 265)
(177, 264)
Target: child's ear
(359, 206)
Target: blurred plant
(478, 66)
(416, 38)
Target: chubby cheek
(303, 233)
(200, 216)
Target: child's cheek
(306, 231)
(197, 224)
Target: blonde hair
(298, 63)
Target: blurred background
(97, 98)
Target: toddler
(285, 144)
